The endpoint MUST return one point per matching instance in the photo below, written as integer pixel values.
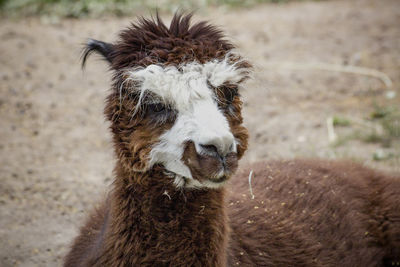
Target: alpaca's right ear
(104, 49)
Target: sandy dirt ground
(56, 158)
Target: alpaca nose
(219, 146)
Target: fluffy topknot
(150, 41)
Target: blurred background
(326, 84)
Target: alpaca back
(314, 213)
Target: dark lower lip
(219, 180)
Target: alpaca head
(175, 100)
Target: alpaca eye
(230, 96)
(156, 108)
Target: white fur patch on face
(181, 86)
(186, 89)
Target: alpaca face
(199, 147)
(175, 101)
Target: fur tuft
(104, 49)
(150, 41)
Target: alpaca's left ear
(104, 49)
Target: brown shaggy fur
(305, 212)
(314, 213)
(150, 223)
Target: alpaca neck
(154, 222)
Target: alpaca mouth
(219, 180)
(182, 181)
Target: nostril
(212, 149)
(231, 147)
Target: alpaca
(175, 114)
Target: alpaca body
(304, 213)
(175, 116)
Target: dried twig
(332, 67)
(166, 194)
(250, 188)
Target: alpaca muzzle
(208, 164)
